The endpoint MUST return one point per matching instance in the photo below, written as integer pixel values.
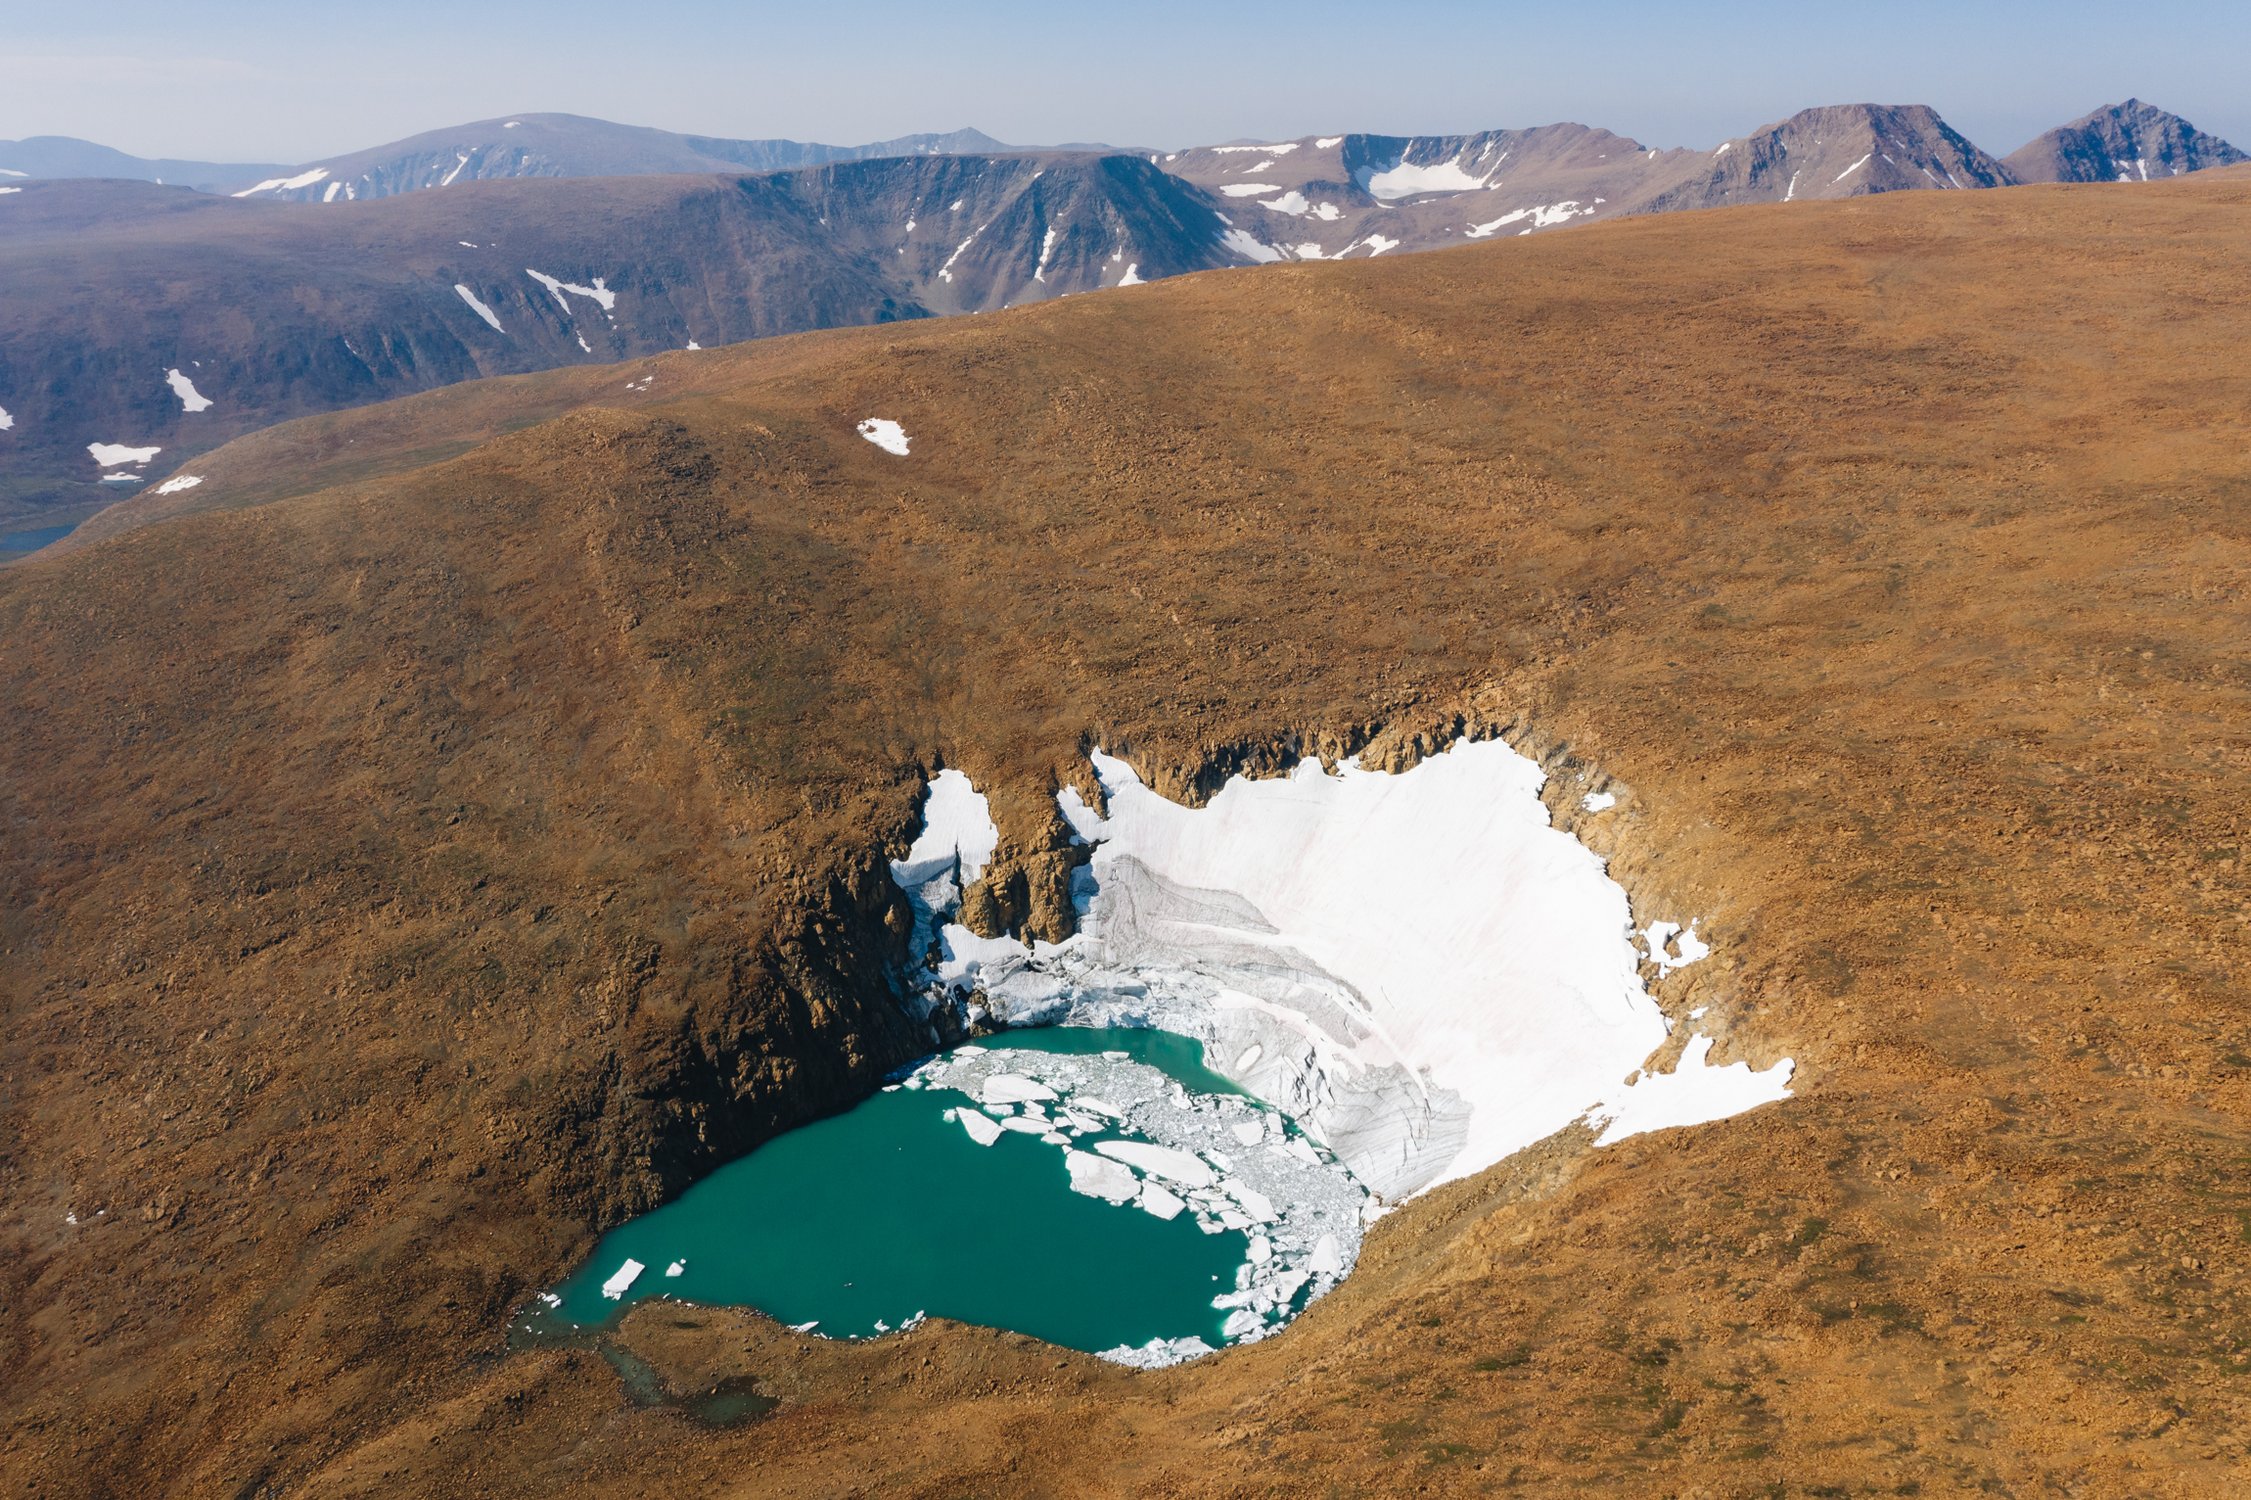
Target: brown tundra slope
(461, 827)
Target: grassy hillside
(461, 826)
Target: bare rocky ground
(459, 824)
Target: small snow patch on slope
(181, 482)
(7, 421)
(1694, 1093)
(461, 159)
(1328, 142)
(892, 438)
(946, 271)
(1856, 166)
(1047, 248)
(1249, 247)
(285, 184)
(11, 190)
(1249, 189)
(1543, 217)
(1132, 277)
(1407, 179)
(184, 388)
(110, 455)
(598, 292)
(477, 306)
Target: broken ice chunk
(1160, 1161)
(1156, 1200)
(1099, 1177)
(981, 1129)
(622, 1279)
(1013, 1088)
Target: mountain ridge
(865, 243)
(2121, 143)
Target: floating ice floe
(1419, 968)
(885, 434)
(622, 1279)
(677, 1268)
(1163, 1151)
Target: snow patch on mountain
(191, 399)
(1409, 179)
(477, 306)
(892, 438)
(598, 292)
(285, 184)
(1249, 246)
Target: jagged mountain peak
(2129, 142)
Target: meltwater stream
(1100, 1189)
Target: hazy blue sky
(292, 80)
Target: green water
(890, 1210)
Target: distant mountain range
(536, 145)
(144, 317)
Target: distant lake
(15, 543)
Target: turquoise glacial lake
(896, 1209)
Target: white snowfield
(1250, 247)
(110, 455)
(1249, 189)
(178, 483)
(191, 399)
(285, 184)
(1544, 216)
(477, 306)
(6, 421)
(1418, 968)
(1409, 180)
(891, 438)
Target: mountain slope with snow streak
(2129, 142)
(276, 310)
